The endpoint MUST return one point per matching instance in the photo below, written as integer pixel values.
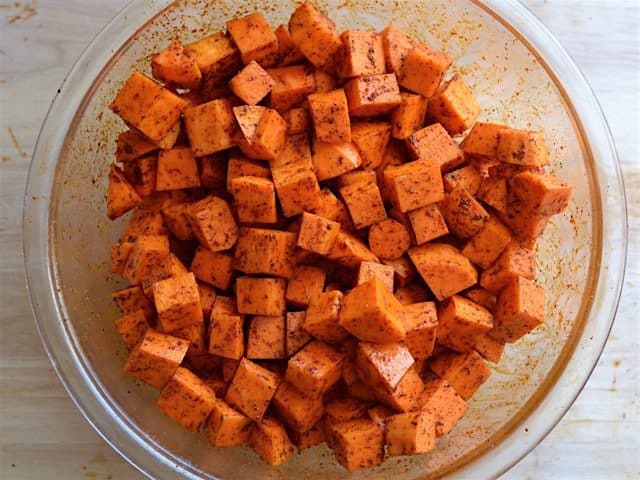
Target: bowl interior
(512, 86)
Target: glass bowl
(521, 76)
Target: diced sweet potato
(331, 207)
(364, 203)
(321, 320)
(325, 82)
(177, 302)
(493, 192)
(264, 131)
(383, 365)
(211, 127)
(361, 54)
(260, 296)
(372, 95)
(485, 246)
(177, 169)
(291, 86)
(356, 176)
(213, 224)
(317, 234)
(227, 427)
(131, 299)
(460, 321)
(298, 121)
(371, 140)
(314, 369)
(251, 84)
(270, 441)
(216, 56)
(296, 336)
(297, 411)
(175, 66)
(464, 215)
(176, 219)
(427, 223)
(132, 327)
(314, 35)
(155, 358)
(141, 173)
(422, 70)
(297, 187)
(187, 399)
(434, 143)
(358, 443)
(514, 261)
(466, 372)
(368, 270)
(307, 283)
(482, 297)
(414, 184)
(443, 268)
(226, 337)
(254, 199)
(131, 144)
(520, 309)
(522, 147)
(147, 251)
(379, 414)
(315, 436)
(330, 114)
(412, 293)
(389, 239)
(144, 221)
(396, 46)
(196, 336)
(441, 400)
(121, 196)
(410, 433)
(119, 255)
(254, 38)
(296, 150)
(148, 107)
(251, 389)
(169, 267)
(207, 299)
(406, 396)
(243, 167)
(288, 54)
(420, 320)
(482, 140)
(345, 409)
(331, 160)
(488, 347)
(266, 337)
(268, 252)
(347, 250)
(467, 178)
(454, 106)
(214, 268)
(409, 116)
(403, 270)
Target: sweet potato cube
(251, 84)
(131, 299)
(177, 302)
(403, 271)
(465, 216)
(268, 252)
(132, 327)
(358, 443)
(460, 321)
(213, 268)
(148, 107)
(187, 399)
(296, 335)
(414, 184)
(410, 433)
(251, 389)
(211, 127)
(331, 160)
(169, 267)
(372, 95)
(379, 414)
(155, 358)
(144, 221)
(520, 309)
(216, 56)
(314, 35)
(330, 114)
(409, 116)
(176, 218)
(121, 195)
(514, 261)
(213, 223)
(383, 365)
(119, 255)
(369, 270)
(297, 411)
(260, 296)
(288, 54)
(291, 86)
(297, 187)
(364, 203)
(420, 320)
(227, 427)
(296, 150)
(254, 199)
(314, 369)
(266, 337)
(427, 223)
(317, 234)
(493, 192)
(356, 176)
(389, 239)
(321, 320)
(196, 336)
(325, 82)
(412, 293)
(264, 131)
(406, 396)
(248, 118)
(331, 207)
(177, 169)
(298, 121)
(349, 251)
(422, 70)
(371, 140)
(147, 251)
(434, 143)
(243, 167)
(315, 436)
(467, 178)
(361, 54)
(270, 441)
(396, 46)
(254, 38)
(175, 66)
(141, 173)
(207, 299)
(454, 106)
(131, 144)
(226, 337)
(522, 147)
(490, 348)
(486, 245)
(441, 400)
(482, 297)
(466, 372)
(307, 282)
(482, 140)
(443, 268)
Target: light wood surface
(42, 433)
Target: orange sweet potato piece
(314, 35)
(331, 207)
(296, 150)
(141, 173)
(251, 84)
(147, 251)
(364, 202)
(213, 268)
(266, 337)
(522, 147)
(119, 255)
(406, 396)
(514, 261)
(297, 411)
(361, 54)
(441, 400)
(121, 196)
(325, 82)
(298, 121)
(226, 337)
(296, 336)
(239, 166)
(347, 250)
(177, 169)
(490, 348)
(227, 427)
(288, 54)
(211, 127)
(132, 327)
(270, 441)
(414, 184)
(358, 443)
(331, 160)
(131, 299)
(254, 38)
(389, 239)
(434, 143)
(420, 320)
(314, 369)
(460, 321)
(372, 95)
(169, 267)
(213, 224)
(454, 106)
(254, 199)
(427, 223)
(485, 246)
(371, 140)
(422, 70)
(317, 234)
(466, 177)
(260, 296)
(482, 140)
(520, 309)
(410, 433)
(307, 282)
(177, 302)
(493, 192)
(216, 56)
(403, 270)
(368, 270)
(409, 116)
(465, 216)
(265, 137)
(330, 114)
(268, 252)
(131, 144)
(155, 358)
(144, 221)
(482, 297)
(396, 46)
(175, 66)
(251, 389)
(321, 320)
(297, 187)
(383, 365)
(175, 215)
(356, 176)
(466, 372)
(291, 86)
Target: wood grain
(41, 429)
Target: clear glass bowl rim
(145, 454)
